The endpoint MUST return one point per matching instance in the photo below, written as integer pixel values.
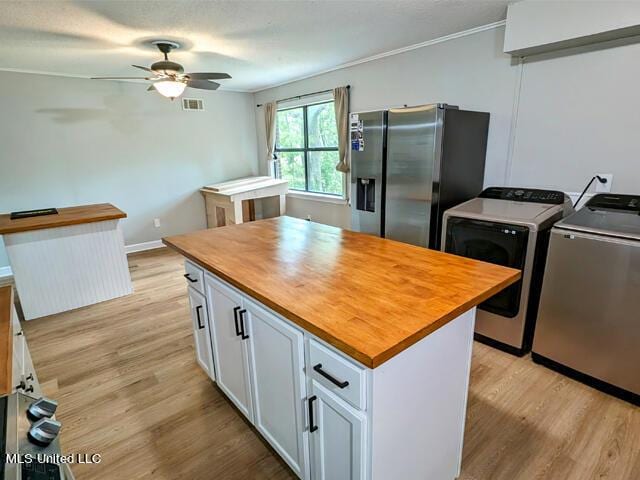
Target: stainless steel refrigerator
(409, 165)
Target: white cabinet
(24, 374)
(229, 334)
(201, 335)
(329, 417)
(337, 435)
(277, 377)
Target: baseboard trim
(5, 272)
(141, 247)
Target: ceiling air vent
(192, 104)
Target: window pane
(292, 169)
(323, 176)
(290, 129)
(322, 125)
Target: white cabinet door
(337, 433)
(277, 372)
(230, 348)
(201, 336)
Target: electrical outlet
(156, 222)
(604, 187)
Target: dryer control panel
(533, 195)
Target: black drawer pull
(235, 320)
(336, 382)
(312, 427)
(243, 333)
(188, 277)
(200, 324)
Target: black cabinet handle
(192, 280)
(235, 320)
(200, 324)
(336, 382)
(312, 427)
(242, 330)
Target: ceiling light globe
(170, 88)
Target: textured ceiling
(260, 43)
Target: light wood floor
(129, 388)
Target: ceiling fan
(169, 78)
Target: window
(307, 148)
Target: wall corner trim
(5, 272)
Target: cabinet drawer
(194, 276)
(337, 374)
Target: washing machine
(589, 321)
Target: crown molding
(390, 53)
(371, 58)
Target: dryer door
(491, 242)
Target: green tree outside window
(307, 148)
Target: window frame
(305, 152)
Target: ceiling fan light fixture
(170, 88)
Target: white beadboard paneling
(129, 249)
(59, 269)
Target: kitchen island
(67, 260)
(349, 353)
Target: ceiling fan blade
(120, 78)
(203, 84)
(207, 76)
(143, 68)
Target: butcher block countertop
(66, 216)
(371, 298)
(6, 340)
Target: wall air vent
(192, 104)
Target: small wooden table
(67, 260)
(232, 202)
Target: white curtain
(270, 111)
(341, 105)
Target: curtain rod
(302, 96)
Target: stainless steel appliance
(589, 321)
(411, 165)
(509, 227)
(29, 446)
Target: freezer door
(367, 180)
(588, 317)
(413, 144)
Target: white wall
(470, 71)
(579, 115)
(68, 141)
(576, 112)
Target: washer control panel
(532, 195)
(612, 201)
